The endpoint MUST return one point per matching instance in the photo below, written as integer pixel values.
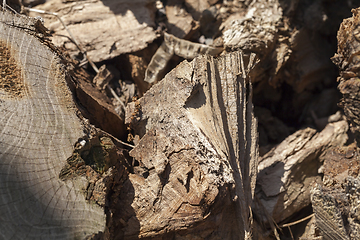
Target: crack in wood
(11, 79)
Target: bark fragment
(179, 22)
(95, 105)
(287, 172)
(335, 201)
(347, 60)
(119, 27)
(180, 47)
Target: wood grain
(197, 153)
(38, 129)
(105, 29)
(287, 172)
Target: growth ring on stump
(39, 127)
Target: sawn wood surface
(38, 129)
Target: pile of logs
(179, 119)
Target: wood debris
(119, 27)
(335, 199)
(179, 22)
(173, 45)
(294, 92)
(256, 30)
(346, 59)
(286, 173)
(103, 77)
(177, 145)
(94, 103)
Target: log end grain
(38, 130)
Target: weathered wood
(347, 59)
(197, 153)
(105, 29)
(287, 172)
(95, 105)
(179, 22)
(39, 128)
(328, 216)
(180, 47)
(294, 41)
(256, 30)
(336, 200)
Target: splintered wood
(198, 152)
(38, 130)
(105, 28)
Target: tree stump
(40, 133)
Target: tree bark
(347, 60)
(108, 28)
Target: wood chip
(288, 170)
(180, 47)
(103, 77)
(105, 29)
(179, 22)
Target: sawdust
(11, 81)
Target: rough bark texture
(295, 92)
(197, 153)
(39, 128)
(105, 29)
(336, 200)
(348, 61)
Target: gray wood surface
(38, 129)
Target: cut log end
(38, 130)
